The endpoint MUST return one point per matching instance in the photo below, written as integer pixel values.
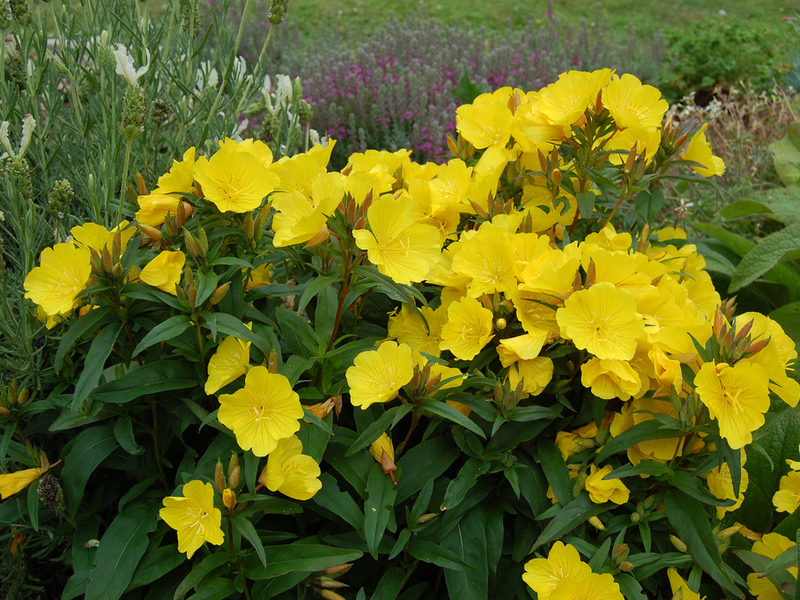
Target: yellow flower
(487, 121)
(154, 208)
(611, 379)
(234, 180)
(593, 586)
(382, 450)
(164, 271)
(771, 545)
(736, 396)
(468, 328)
(377, 375)
(677, 583)
(633, 104)
(96, 237)
(721, 485)
(602, 490)
(62, 275)
(179, 179)
(11, 483)
(488, 259)
(699, 150)
(291, 472)
(544, 574)
(401, 249)
(787, 498)
(229, 362)
(301, 217)
(602, 320)
(422, 333)
(565, 101)
(265, 411)
(194, 517)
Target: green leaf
(788, 317)
(786, 158)
(444, 410)
(691, 524)
(464, 482)
(422, 464)
(586, 202)
(467, 540)
(208, 282)
(156, 563)
(87, 324)
(641, 432)
(300, 556)
(338, 503)
(555, 470)
(389, 585)
(121, 548)
(314, 287)
(123, 431)
(744, 208)
(430, 552)
(765, 256)
(783, 561)
(99, 351)
(245, 527)
(378, 508)
(630, 588)
(297, 333)
(152, 378)
(568, 518)
(200, 571)
(374, 431)
(649, 204)
(88, 450)
(693, 486)
(164, 331)
(467, 90)
(325, 317)
(779, 437)
(387, 286)
(231, 325)
(216, 589)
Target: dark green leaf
(464, 481)
(555, 470)
(200, 571)
(245, 527)
(84, 325)
(378, 508)
(93, 366)
(630, 588)
(338, 503)
(644, 431)
(314, 287)
(424, 463)
(121, 548)
(444, 410)
(765, 255)
(152, 378)
(216, 589)
(297, 333)
(164, 331)
(691, 524)
(389, 585)
(568, 518)
(123, 431)
(649, 204)
(156, 563)
(374, 431)
(88, 450)
(467, 540)
(300, 556)
(208, 281)
(434, 553)
(230, 325)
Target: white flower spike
(125, 65)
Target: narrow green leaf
(338, 504)
(644, 431)
(216, 589)
(744, 208)
(89, 448)
(568, 518)
(630, 588)
(430, 552)
(374, 431)
(444, 410)
(464, 481)
(95, 362)
(200, 571)
(248, 531)
(231, 325)
(300, 556)
(765, 255)
(164, 331)
(389, 585)
(156, 563)
(297, 333)
(152, 378)
(378, 508)
(314, 287)
(208, 282)
(467, 540)
(84, 325)
(690, 521)
(121, 548)
(123, 431)
(555, 470)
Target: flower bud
(218, 294)
(427, 517)
(319, 237)
(272, 364)
(229, 498)
(22, 398)
(219, 477)
(3, 411)
(678, 543)
(626, 566)
(249, 226)
(338, 569)
(620, 552)
(500, 324)
(596, 523)
(330, 582)
(331, 595)
(382, 450)
(556, 177)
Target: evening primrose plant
(496, 374)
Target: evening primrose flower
(154, 208)
(699, 150)
(488, 259)
(736, 396)
(262, 413)
(543, 575)
(378, 375)
(603, 490)
(194, 517)
(234, 181)
(401, 249)
(96, 237)
(633, 104)
(61, 276)
(229, 362)
(468, 328)
(787, 498)
(421, 330)
(679, 585)
(180, 177)
(11, 483)
(720, 484)
(291, 472)
(611, 378)
(770, 545)
(301, 218)
(164, 271)
(602, 320)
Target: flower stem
(124, 186)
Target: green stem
(124, 186)
(238, 565)
(246, 94)
(414, 421)
(156, 445)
